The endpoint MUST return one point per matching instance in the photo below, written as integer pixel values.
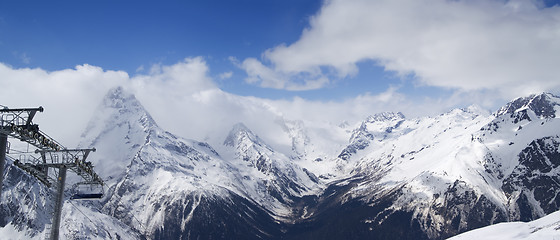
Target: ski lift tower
(18, 123)
(54, 161)
(51, 168)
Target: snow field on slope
(439, 146)
(547, 227)
(11, 232)
(511, 139)
(81, 222)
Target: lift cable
(93, 223)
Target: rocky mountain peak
(377, 125)
(240, 134)
(119, 106)
(542, 104)
(385, 116)
(119, 127)
(118, 98)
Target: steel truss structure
(51, 160)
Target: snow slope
(547, 227)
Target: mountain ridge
(418, 178)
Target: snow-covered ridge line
(440, 175)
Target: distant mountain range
(395, 178)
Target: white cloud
(184, 100)
(226, 75)
(140, 69)
(270, 78)
(23, 57)
(510, 46)
(70, 96)
(483, 50)
(178, 79)
(181, 97)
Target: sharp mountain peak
(543, 104)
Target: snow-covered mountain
(435, 177)
(421, 178)
(275, 179)
(24, 209)
(172, 187)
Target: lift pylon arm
(37, 172)
(73, 160)
(18, 123)
(30, 112)
(39, 109)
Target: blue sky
(301, 59)
(125, 35)
(133, 35)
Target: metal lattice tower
(54, 161)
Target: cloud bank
(484, 51)
(510, 47)
(184, 100)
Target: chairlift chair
(87, 191)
